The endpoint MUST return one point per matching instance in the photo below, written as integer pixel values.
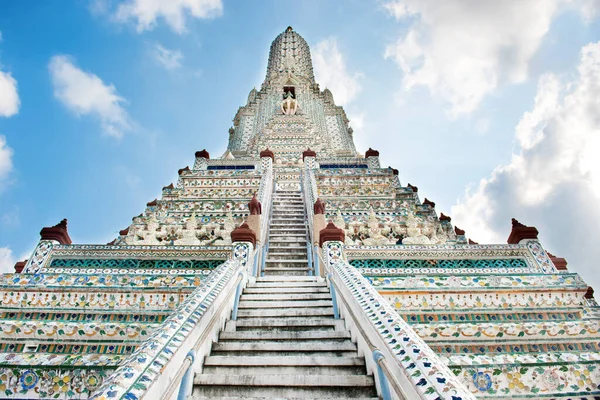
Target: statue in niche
(170, 235)
(152, 231)
(188, 235)
(339, 220)
(289, 106)
(414, 234)
(375, 237)
(228, 227)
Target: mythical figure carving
(289, 105)
(414, 234)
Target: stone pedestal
(319, 224)
(253, 222)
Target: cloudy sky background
(490, 108)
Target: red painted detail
(243, 233)
(520, 232)
(331, 233)
(57, 232)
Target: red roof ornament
(19, 265)
(255, 206)
(203, 154)
(589, 293)
(308, 153)
(444, 217)
(413, 188)
(559, 262)
(459, 231)
(331, 233)
(472, 242)
(319, 207)
(394, 170)
(520, 232)
(124, 232)
(428, 203)
(267, 153)
(170, 187)
(182, 170)
(371, 153)
(243, 233)
(152, 203)
(57, 232)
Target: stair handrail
(308, 185)
(161, 361)
(409, 364)
(265, 197)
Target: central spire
(290, 54)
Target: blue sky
(488, 107)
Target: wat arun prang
(508, 320)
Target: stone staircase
(287, 253)
(285, 344)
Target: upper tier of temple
(289, 53)
(290, 113)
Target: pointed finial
(520, 232)
(57, 232)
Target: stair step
(285, 361)
(301, 262)
(337, 324)
(287, 284)
(263, 398)
(279, 290)
(301, 255)
(284, 335)
(284, 304)
(286, 312)
(221, 390)
(284, 380)
(289, 279)
(284, 246)
(287, 268)
(286, 272)
(287, 370)
(286, 296)
(289, 346)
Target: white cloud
(553, 181)
(85, 94)
(6, 154)
(463, 50)
(170, 59)
(9, 98)
(331, 72)
(7, 261)
(146, 12)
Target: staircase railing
(265, 197)
(405, 367)
(309, 189)
(164, 363)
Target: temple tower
(293, 266)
